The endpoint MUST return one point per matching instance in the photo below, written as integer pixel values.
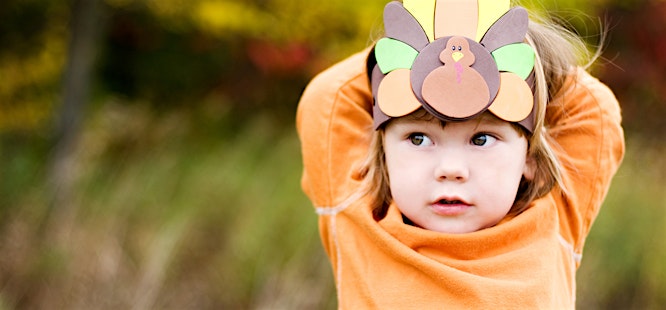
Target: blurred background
(148, 156)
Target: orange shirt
(528, 261)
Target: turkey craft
(454, 58)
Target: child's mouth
(450, 207)
(451, 202)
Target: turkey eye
(453, 48)
(460, 48)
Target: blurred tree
(85, 26)
(246, 54)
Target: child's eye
(483, 139)
(419, 139)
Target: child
(460, 162)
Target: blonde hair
(558, 53)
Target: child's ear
(530, 168)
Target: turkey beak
(457, 56)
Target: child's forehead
(421, 116)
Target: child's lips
(450, 206)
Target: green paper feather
(392, 54)
(517, 58)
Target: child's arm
(335, 126)
(585, 122)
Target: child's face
(459, 178)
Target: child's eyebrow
(490, 120)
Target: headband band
(456, 59)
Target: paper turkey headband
(456, 59)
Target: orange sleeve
(334, 125)
(585, 121)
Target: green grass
(174, 211)
(166, 216)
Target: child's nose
(452, 167)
